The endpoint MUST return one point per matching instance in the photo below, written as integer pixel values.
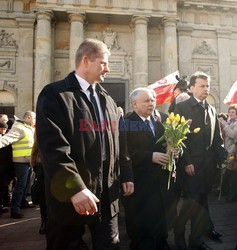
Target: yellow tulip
(177, 118)
(171, 117)
(231, 158)
(168, 121)
(196, 130)
(182, 119)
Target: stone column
(140, 62)
(43, 52)
(76, 36)
(25, 64)
(185, 50)
(170, 45)
(223, 38)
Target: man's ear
(191, 88)
(85, 61)
(134, 104)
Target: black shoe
(26, 204)
(42, 227)
(17, 215)
(163, 245)
(214, 235)
(3, 210)
(203, 246)
(180, 243)
(82, 245)
(231, 199)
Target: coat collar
(72, 83)
(194, 102)
(135, 117)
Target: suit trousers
(39, 172)
(23, 172)
(103, 228)
(195, 208)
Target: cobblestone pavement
(22, 234)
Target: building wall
(149, 39)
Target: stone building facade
(148, 40)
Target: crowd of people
(86, 155)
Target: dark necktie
(202, 104)
(93, 100)
(149, 128)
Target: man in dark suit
(145, 209)
(78, 140)
(198, 164)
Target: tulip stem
(168, 186)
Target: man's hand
(160, 158)
(190, 170)
(128, 188)
(84, 202)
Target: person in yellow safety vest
(21, 137)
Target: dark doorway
(8, 110)
(117, 90)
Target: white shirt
(85, 85)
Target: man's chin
(102, 79)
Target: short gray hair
(90, 48)
(29, 113)
(136, 93)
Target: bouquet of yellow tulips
(176, 129)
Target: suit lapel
(213, 121)
(141, 124)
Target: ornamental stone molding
(10, 5)
(109, 3)
(60, 2)
(10, 87)
(208, 69)
(6, 40)
(109, 37)
(5, 63)
(93, 3)
(77, 2)
(204, 49)
(140, 4)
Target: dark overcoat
(204, 156)
(71, 149)
(145, 208)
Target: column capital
(44, 15)
(170, 21)
(223, 33)
(79, 17)
(139, 19)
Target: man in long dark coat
(198, 164)
(145, 209)
(79, 145)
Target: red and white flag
(231, 97)
(164, 88)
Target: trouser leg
(22, 172)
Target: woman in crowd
(230, 132)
